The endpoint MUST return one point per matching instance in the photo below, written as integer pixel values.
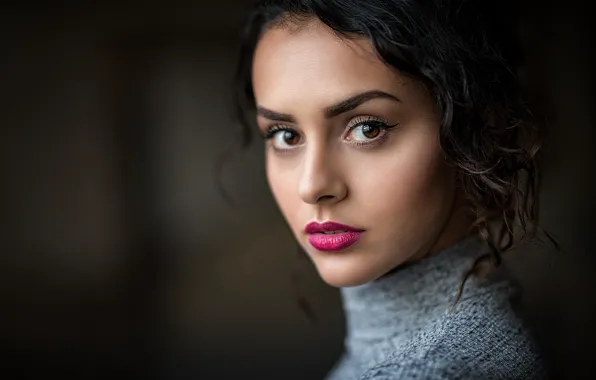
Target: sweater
(406, 324)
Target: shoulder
(482, 339)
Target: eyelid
(386, 127)
(271, 130)
(361, 119)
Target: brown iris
(370, 131)
(290, 137)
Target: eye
(366, 130)
(282, 138)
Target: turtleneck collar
(409, 297)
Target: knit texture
(404, 326)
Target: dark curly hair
(464, 51)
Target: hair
(465, 53)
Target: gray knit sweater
(403, 325)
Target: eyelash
(274, 129)
(359, 121)
(384, 125)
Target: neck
(411, 296)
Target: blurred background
(121, 256)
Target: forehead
(313, 60)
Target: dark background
(121, 257)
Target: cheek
(412, 186)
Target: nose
(321, 182)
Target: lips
(331, 236)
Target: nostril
(325, 198)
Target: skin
(395, 184)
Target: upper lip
(315, 227)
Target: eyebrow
(334, 110)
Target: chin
(336, 272)
(342, 281)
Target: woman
(402, 157)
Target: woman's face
(352, 142)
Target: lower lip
(334, 242)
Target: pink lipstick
(331, 236)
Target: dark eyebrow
(353, 102)
(275, 116)
(332, 111)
